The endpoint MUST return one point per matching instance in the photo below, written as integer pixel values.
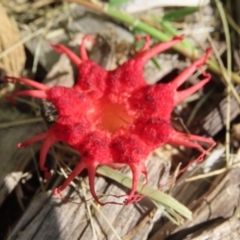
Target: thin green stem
(229, 66)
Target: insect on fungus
(115, 117)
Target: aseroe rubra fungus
(114, 117)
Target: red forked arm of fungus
(41, 91)
(144, 56)
(61, 49)
(182, 77)
(48, 140)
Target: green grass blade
(164, 199)
(179, 13)
(117, 3)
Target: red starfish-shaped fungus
(115, 117)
